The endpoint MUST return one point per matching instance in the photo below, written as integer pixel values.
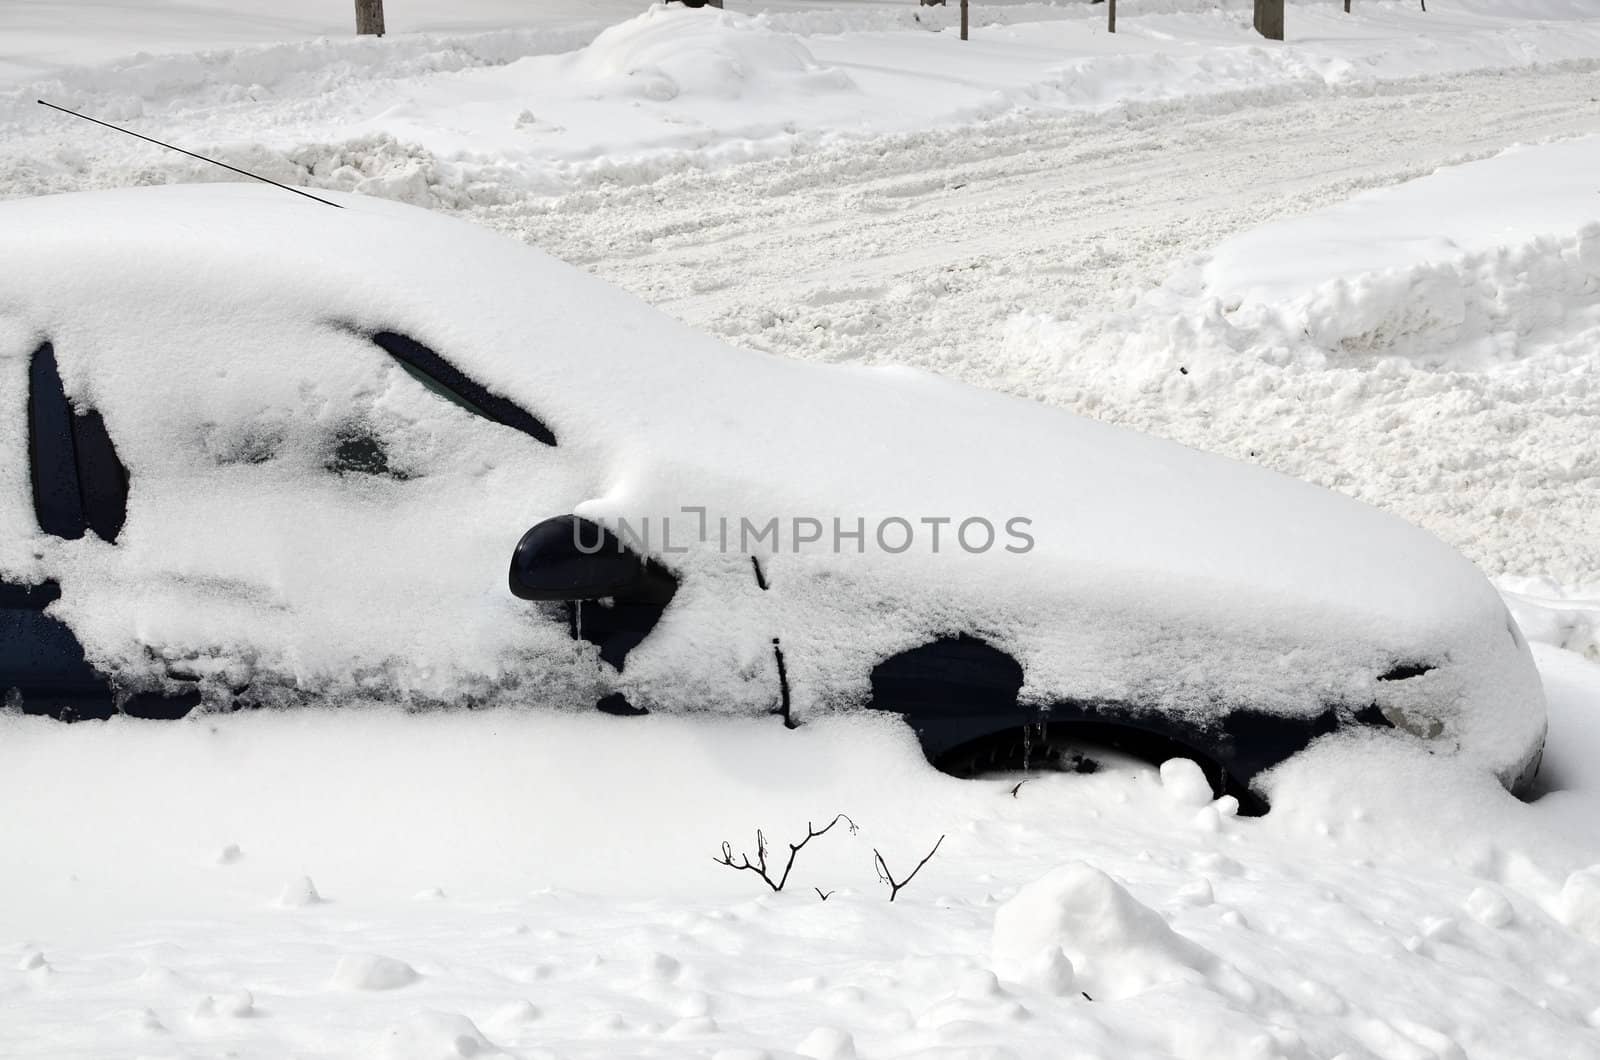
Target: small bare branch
(824, 895)
(1019, 787)
(759, 866)
(888, 877)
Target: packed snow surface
(216, 887)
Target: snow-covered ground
(496, 116)
(547, 883)
(1234, 244)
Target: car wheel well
(1044, 744)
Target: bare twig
(887, 877)
(1019, 787)
(759, 866)
(824, 895)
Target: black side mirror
(571, 558)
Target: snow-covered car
(256, 450)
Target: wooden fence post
(1269, 19)
(369, 18)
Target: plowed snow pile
(1458, 314)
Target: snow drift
(669, 52)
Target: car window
(79, 484)
(448, 382)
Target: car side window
(79, 483)
(444, 379)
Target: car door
(78, 487)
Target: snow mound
(1468, 312)
(1550, 614)
(1469, 268)
(1414, 334)
(435, 1036)
(1489, 907)
(371, 972)
(298, 894)
(828, 1043)
(1580, 902)
(1119, 946)
(669, 53)
(1471, 313)
(1184, 782)
(239, 1004)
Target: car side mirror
(572, 558)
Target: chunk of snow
(827, 1043)
(1579, 902)
(299, 893)
(1489, 907)
(1184, 782)
(1118, 946)
(1051, 971)
(662, 966)
(672, 52)
(372, 972)
(238, 1004)
(432, 1035)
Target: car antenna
(191, 154)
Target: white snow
(1002, 214)
(491, 117)
(585, 915)
(1076, 917)
(372, 972)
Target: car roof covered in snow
(677, 417)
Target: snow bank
(1550, 614)
(1462, 270)
(1463, 308)
(485, 119)
(675, 51)
(585, 913)
(1461, 311)
(1464, 212)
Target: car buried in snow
(259, 451)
